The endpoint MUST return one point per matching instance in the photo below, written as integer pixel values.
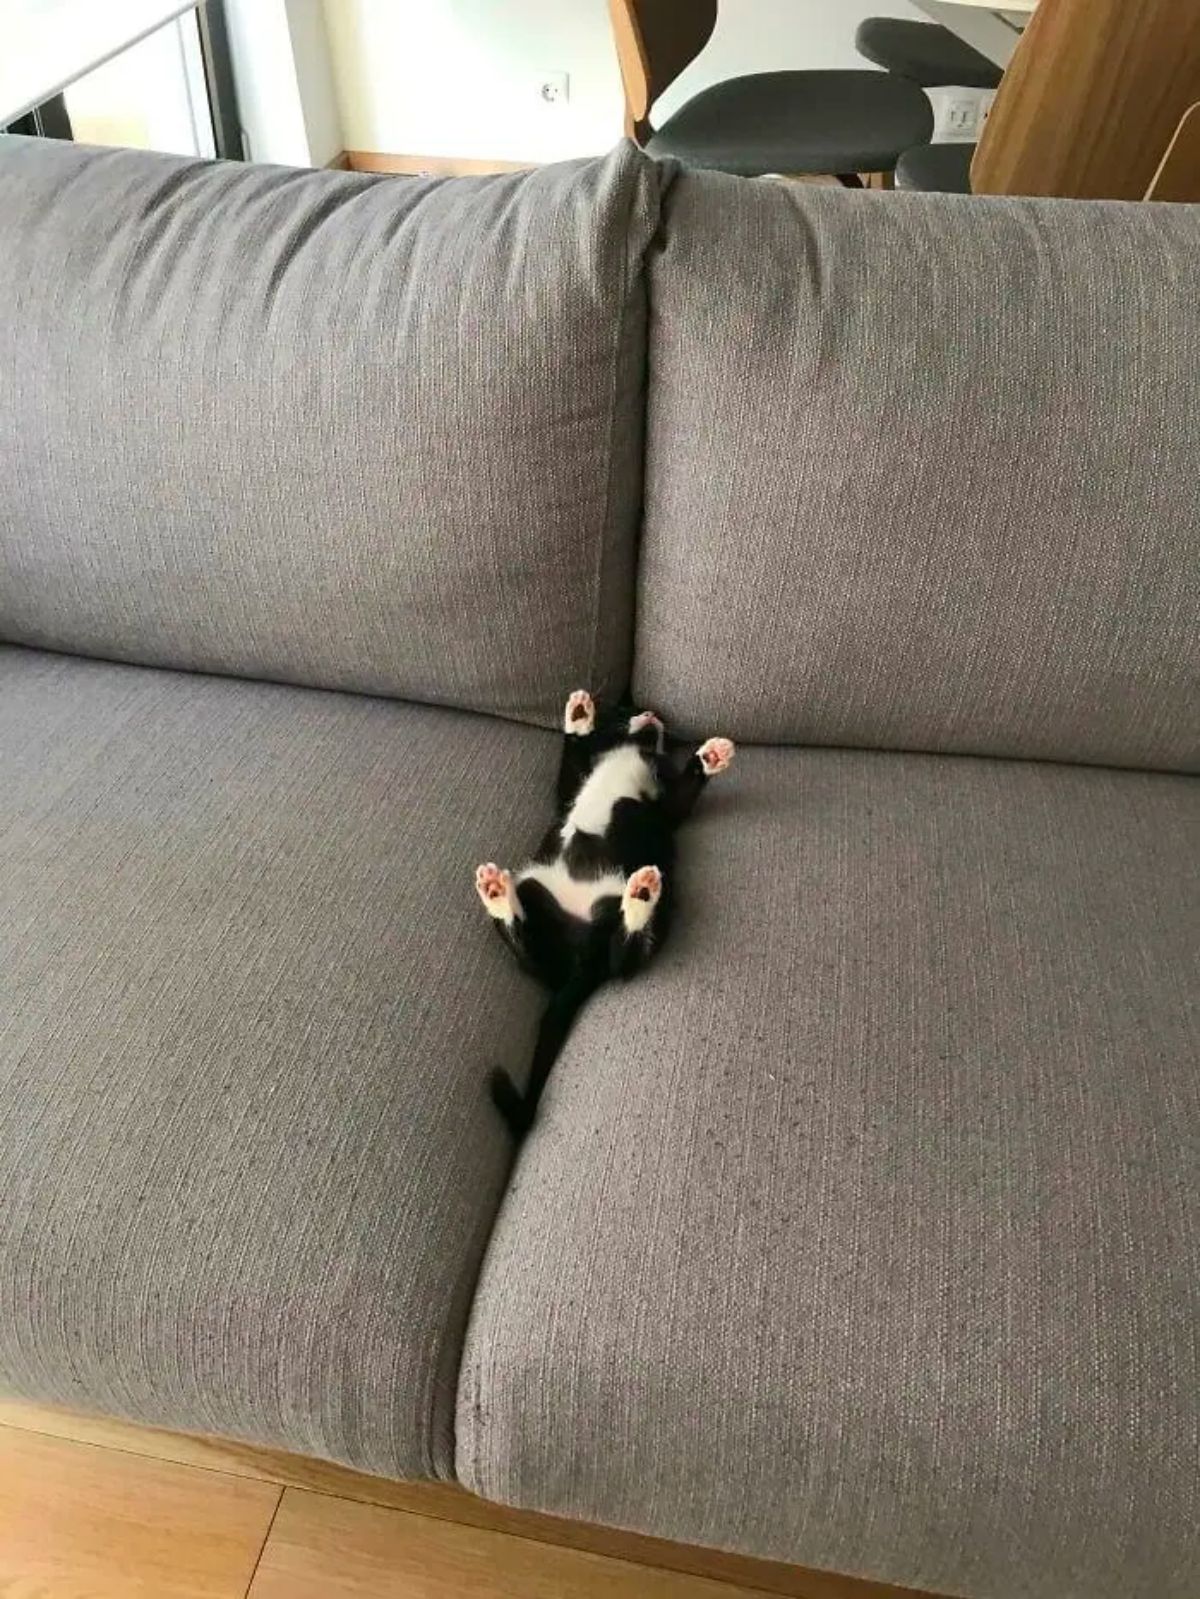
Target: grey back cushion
(371, 433)
(923, 472)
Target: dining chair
(926, 53)
(831, 123)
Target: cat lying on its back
(596, 899)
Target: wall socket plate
(959, 114)
(554, 88)
(962, 116)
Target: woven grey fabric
(925, 477)
(351, 431)
(247, 1004)
(863, 1230)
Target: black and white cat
(597, 897)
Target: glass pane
(151, 96)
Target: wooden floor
(109, 1511)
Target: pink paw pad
(645, 719)
(715, 755)
(580, 714)
(641, 895)
(645, 885)
(493, 885)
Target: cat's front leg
(579, 723)
(579, 717)
(713, 757)
(647, 730)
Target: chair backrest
(1178, 175)
(656, 40)
(1091, 99)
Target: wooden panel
(1178, 176)
(1091, 99)
(440, 166)
(447, 1502)
(323, 1548)
(77, 1521)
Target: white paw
(642, 893)
(580, 714)
(715, 755)
(495, 889)
(646, 719)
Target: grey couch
(862, 1231)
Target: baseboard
(441, 1501)
(340, 163)
(437, 166)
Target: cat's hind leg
(531, 922)
(634, 936)
(640, 899)
(498, 892)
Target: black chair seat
(821, 122)
(926, 53)
(937, 168)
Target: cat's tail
(517, 1108)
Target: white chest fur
(624, 773)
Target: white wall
(460, 77)
(285, 89)
(314, 78)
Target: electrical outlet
(554, 88)
(962, 116)
(959, 113)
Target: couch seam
(630, 256)
(467, 1374)
(668, 171)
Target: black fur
(568, 955)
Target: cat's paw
(642, 893)
(580, 714)
(646, 719)
(495, 888)
(715, 755)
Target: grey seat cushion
(936, 168)
(863, 1231)
(351, 431)
(925, 477)
(247, 1006)
(841, 121)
